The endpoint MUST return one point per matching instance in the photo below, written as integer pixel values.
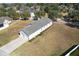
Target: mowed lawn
(54, 41)
(11, 32)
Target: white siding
(23, 35)
(46, 26)
(1, 28)
(34, 34)
(39, 31)
(6, 24)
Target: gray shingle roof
(34, 26)
(3, 18)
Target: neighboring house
(35, 28)
(5, 22)
(31, 11)
(32, 15)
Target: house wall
(39, 31)
(1, 25)
(5, 24)
(35, 34)
(32, 16)
(46, 26)
(23, 36)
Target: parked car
(24, 19)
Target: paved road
(8, 48)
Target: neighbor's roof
(34, 26)
(3, 18)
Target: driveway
(11, 46)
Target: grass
(54, 41)
(11, 32)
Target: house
(35, 28)
(4, 22)
(31, 11)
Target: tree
(2, 11)
(13, 14)
(74, 12)
(52, 10)
(40, 14)
(25, 14)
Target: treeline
(70, 10)
(53, 10)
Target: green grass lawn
(11, 32)
(54, 41)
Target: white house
(31, 31)
(32, 12)
(32, 15)
(4, 22)
(35, 28)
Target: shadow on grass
(71, 25)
